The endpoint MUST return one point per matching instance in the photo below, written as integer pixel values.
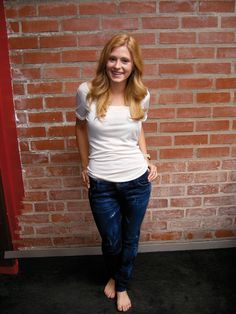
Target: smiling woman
(110, 111)
(119, 65)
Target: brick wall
(190, 64)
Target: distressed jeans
(118, 210)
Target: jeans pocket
(143, 180)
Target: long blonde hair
(135, 90)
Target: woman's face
(119, 65)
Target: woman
(115, 164)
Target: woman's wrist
(147, 156)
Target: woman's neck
(117, 88)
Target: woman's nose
(117, 64)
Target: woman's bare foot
(123, 301)
(109, 289)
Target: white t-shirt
(114, 154)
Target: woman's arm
(143, 147)
(83, 145)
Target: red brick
(175, 68)
(25, 73)
(34, 158)
(45, 117)
(223, 139)
(198, 235)
(159, 140)
(202, 189)
(200, 112)
(229, 164)
(200, 212)
(161, 113)
(28, 103)
(213, 152)
(168, 214)
(176, 98)
(36, 218)
(41, 57)
(137, 7)
(195, 83)
(182, 178)
(70, 87)
(171, 167)
(18, 89)
(36, 196)
(63, 171)
(161, 83)
(227, 211)
(210, 177)
(228, 188)
(186, 202)
(65, 157)
(31, 132)
(220, 200)
(119, 23)
(23, 42)
(225, 233)
(64, 195)
(61, 72)
(199, 22)
(203, 165)
(27, 10)
(224, 68)
(176, 127)
(176, 153)
(24, 146)
(95, 9)
(45, 88)
(11, 12)
(60, 9)
(150, 127)
(191, 139)
(216, 37)
(48, 145)
(14, 27)
(58, 41)
(80, 24)
(227, 52)
(61, 131)
(196, 53)
(226, 83)
(214, 97)
(160, 22)
(175, 7)
(16, 58)
(226, 111)
(60, 102)
(212, 125)
(178, 38)
(38, 26)
(228, 22)
(79, 56)
(217, 6)
(44, 183)
(166, 236)
(33, 171)
(159, 53)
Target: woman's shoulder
(84, 87)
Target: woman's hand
(85, 177)
(152, 172)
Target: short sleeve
(82, 107)
(145, 105)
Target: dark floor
(188, 282)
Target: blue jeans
(118, 210)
